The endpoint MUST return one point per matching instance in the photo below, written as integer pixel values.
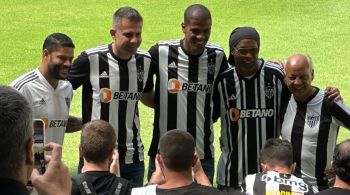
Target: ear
(112, 33)
(264, 167)
(312, 74)
(29, 152)
(160, 161)
(80, 151)
(110, 156)
(183, 26)
(292, 168)
(45, 53)
(195, 159)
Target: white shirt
(49, 104)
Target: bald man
(310, 121)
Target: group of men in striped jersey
(193, 88)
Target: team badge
(269, 92)
(67, 101)
(312, 120)
(211, 66)
(140, 74)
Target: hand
(157, 176)
(114, 167)
(330, 176)
(333, 94)
(56, 179)
(198, 172)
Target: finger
(35, 177)
(47, 159)
(56, 151)
(327, 89)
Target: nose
(67, 63)
(135, 39)
(297, 81)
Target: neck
(190, 51)
(341, 184)
(282, 170)
(305, 96)
(88, 166)
(120, 54)
(251, 72)
(44, 71)
(176, 179)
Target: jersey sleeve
(25, 91)
(153, 67)
(216, 101)
(80, 71)
(340, 113)
(224, 64)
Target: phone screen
(39, 141)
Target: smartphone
(39, 142)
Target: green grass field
(316, 27)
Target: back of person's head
(16, 130)
(198, 12)
(126, 13)
(277, 152)
(341, 161)
(55, 40)
(177, 147)
(97, 141)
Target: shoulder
(214, 46)
(26, 79)
(173, 42)
(226, 74)
(274, 68)
(147, 190)
(141, 53)
(99, 49)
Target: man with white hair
(310, 121)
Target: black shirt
(101, 181)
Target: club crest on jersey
(312, 120)
(211, 66)
(67, 101)
(269, 92)
(139, 74)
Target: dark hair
(341, 161)
(55, 40)
(177, 148)
(125, 12)
(97, 141)
(15, 131)
(196, 11)
(277, 152)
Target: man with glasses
(248, 98)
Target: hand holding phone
(39, 142)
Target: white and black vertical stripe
(312, 127)
(119, 76)
(242, 140)
(187, 109)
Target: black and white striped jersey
(49, 104)
(111, 90)
(249, 111)
(312, 128)
(183, 92)
(273, 182)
